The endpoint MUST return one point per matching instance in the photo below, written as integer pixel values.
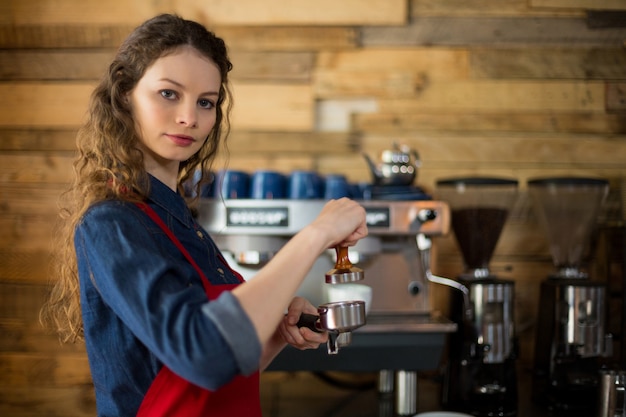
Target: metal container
(342, 316)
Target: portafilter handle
(336, 339)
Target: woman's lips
(181, 140)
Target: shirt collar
(170, 201)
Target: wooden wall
(515, 88)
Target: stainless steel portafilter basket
(339, 319)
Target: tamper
(343, 271)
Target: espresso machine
(480, 376)
(571, 342)
(401, 335)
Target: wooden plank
(255, 38)
(243, 12)
(70, 12)
(376, 71)
(39, 369)
(25, 267)
(35, 198)
(53, 65)
(82, 65)
(57, 104)
(26, 232)
(616, 98)
(39, 168)
(31, 337)
(292, 107)
(520, 149)
(27, 401)
(489, 96)
(16, 36)
(63, 105)
(21, 301)
(398, 83)
(296, 12)
(439, 63)
(549, 63)
(286, 144)
(462, 31)
(278, 67)
(250, 162)
(518, 8)
(38, 140)
(602, 19)
(536, 122)
(579, 4)
(288, 38)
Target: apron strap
(154, 216)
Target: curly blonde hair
(108, 163)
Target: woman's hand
(300, 337)
(343, 221)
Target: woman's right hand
(343, 221)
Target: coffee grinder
(481, 377)
(570, 339)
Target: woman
(168, 328)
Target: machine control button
(414, 288)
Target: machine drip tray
(410, 342)
(403, 323)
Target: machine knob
(414, 288)
(426, 215)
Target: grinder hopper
(479, 207)
(567, 209)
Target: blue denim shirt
(144, 305)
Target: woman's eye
(205, 104)
(168, 94)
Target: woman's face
(174, 108)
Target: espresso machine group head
(570, 343)
(481, 376)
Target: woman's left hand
(300, 337)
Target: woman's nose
(187, 115)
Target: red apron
(172, 396)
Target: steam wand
(424, 245)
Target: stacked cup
(232, 184)
(268, 185)
(305, 185)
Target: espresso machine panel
(251, 231)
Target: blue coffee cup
(268, 185)
(230, 184)
(305, 185)
(336, 186)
